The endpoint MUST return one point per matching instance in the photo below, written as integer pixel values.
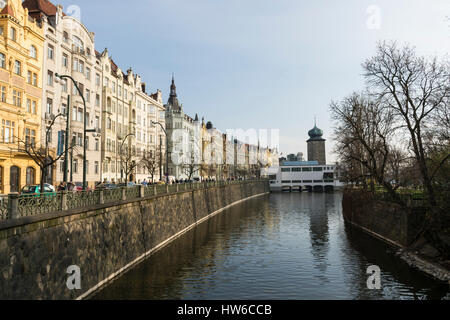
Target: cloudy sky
(262, 64)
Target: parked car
(76, 186)
(35, 189)
(103, 186)
(129, 184)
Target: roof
(37, 6)
(8, 10)
(299, 163)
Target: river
(279, 246)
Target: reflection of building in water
(319, 233)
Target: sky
(260, 64)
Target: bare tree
(191, 167)
(151, 163)
(41, 153)
(363, 131)
(416, 90)
(127, 160)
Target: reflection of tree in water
(396, 275)
(318, 231)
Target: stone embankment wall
(102, 241)
(386, 220)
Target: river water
(279, 246)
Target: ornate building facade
(21, 54)
(69, 49)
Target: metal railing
(14, 206)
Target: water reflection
(282, 246)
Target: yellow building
(21, 56)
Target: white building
(304, 175)
(184, 139)
(150, 137)
(69, 49)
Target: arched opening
(14, 179)
(329, 188)
(31, 176)
(308, 188)
(318, 189)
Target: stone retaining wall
(103, 241)
(387, 220)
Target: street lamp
(85, 130)
(167, 150)
(121, 145)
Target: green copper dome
(315, 134)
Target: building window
(12, 34)
(30, 137)
(81, 66)
(2, 60)
(65, 60)
(75, 166)
(3, 93)
(80, 115)
(35, 79)
(28, 105)
(17, 68)
(33, 107)
(97, 100)
(88, 73)
(80, 139)
(78, 42)
(64, 85)
(97, 79)
(96, 144)
(50, 78)
(65, 37)
(17, 98)
(285, 169)
(8, 131)
(33, 52)
(31, 174)
(49, 109)
(50, 52)
(96, 167)
(75, 65)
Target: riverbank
(70, 254)
(398, 226)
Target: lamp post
(121, 145)
(167, 150)
(85, 130)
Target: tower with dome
(316, 145)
